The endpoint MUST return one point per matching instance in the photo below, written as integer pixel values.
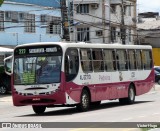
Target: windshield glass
(37, 70)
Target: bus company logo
(120, 76)
(6, 125)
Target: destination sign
(37, 50)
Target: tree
(1, 2)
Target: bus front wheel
(85, 101)
(131, 96)
(39, 109)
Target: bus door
(71, 71)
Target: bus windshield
(37, 70)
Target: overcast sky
(148, 6)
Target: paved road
(145, 109)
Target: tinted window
(131, 59)
(98, 63)
(109, 60)
(86, 62)
(147, 59)
(71, 64)
(122, 60)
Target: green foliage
(1, 2)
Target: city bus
(57, 74)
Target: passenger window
(98, 63)
(71, 64)
(147, 59)
(131, 59)
(139, 59)
(109, 60)
(86, 60)
(122, 63)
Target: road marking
(142, 116)
(156, 113)
(127, 119)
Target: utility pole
(103, 20)
(123, 30)
(65, 24)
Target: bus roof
(65, 45)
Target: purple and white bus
(51, 74)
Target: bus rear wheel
(85, 101)
(131, 96)
(39, 109)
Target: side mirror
(8, 65)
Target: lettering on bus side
(133, 74)
(85, 77)
(104, 78)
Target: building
(102, 21)
(123, 21)
(25, 21)
(149, 32)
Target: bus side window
(86, 60)
(71, 64)
(114, 60)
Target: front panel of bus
(37, 75)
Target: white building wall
(93, 20)
(115, 18)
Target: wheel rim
(2, 90)
(85, 100)
(131, 94)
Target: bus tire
(3, 89)
(131, 96)
(85, 101)
(39, 109)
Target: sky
(148, 6)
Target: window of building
(129, 10)
(54, 26)
(83, 8)
(8, 15)
(131, 59)
(43, 19)
(86, 60)
(109, 60)
(1, 21)
(98, 64)
(113, 8)
(83, 34)
(11, 16)
(125, 10)
(30, 23)
(14, 16)
(122, 62)
(21, 16)
(113, 34)
(130, 38)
